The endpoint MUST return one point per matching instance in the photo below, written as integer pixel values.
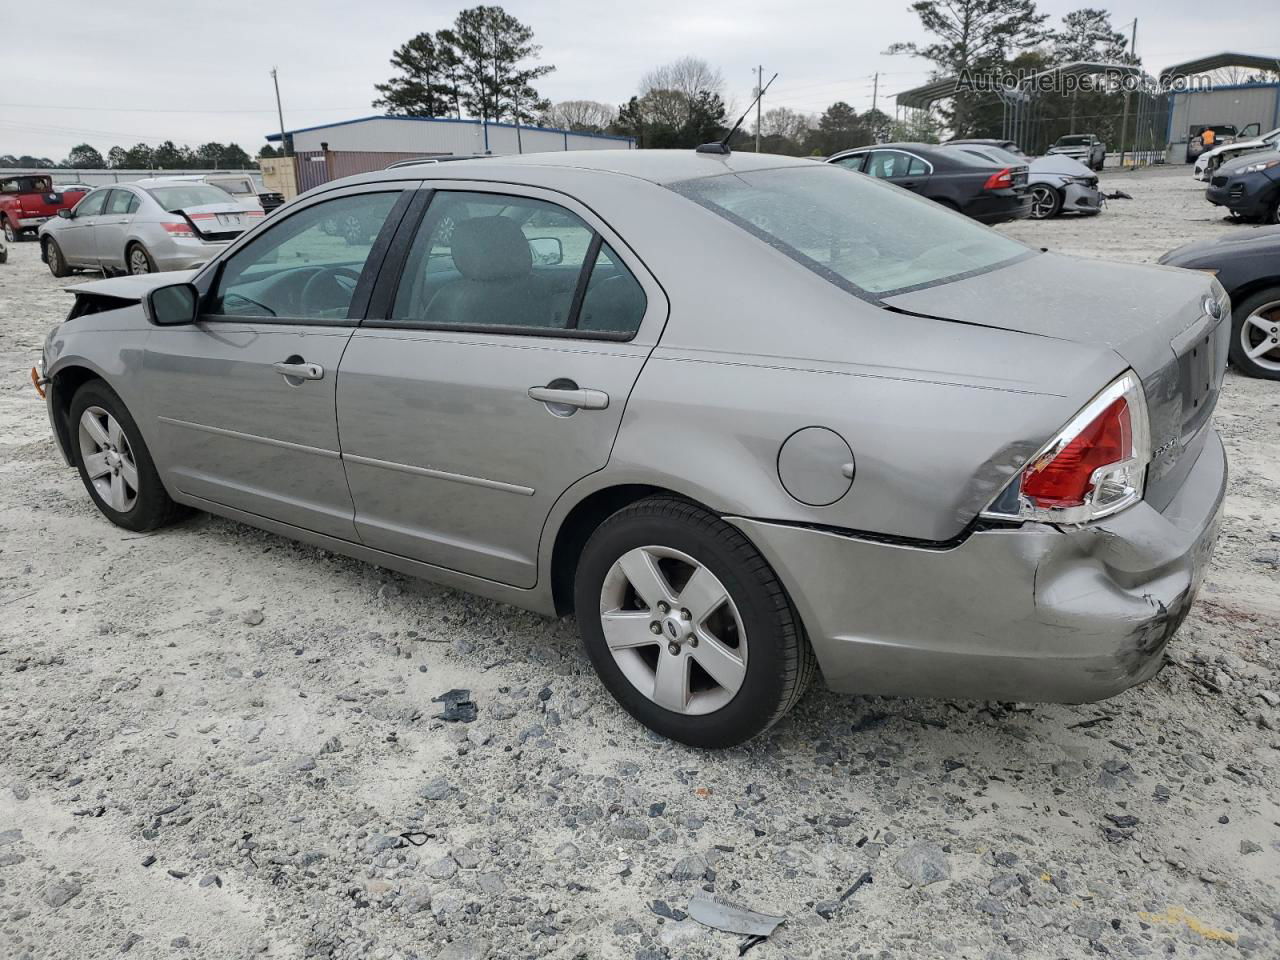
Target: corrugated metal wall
(1239, 105)
(442, 135)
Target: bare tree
(688, 75)
(787, 123)
(587, 115)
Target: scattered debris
(922, 864)
(458, 706)
(729, 917)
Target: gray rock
(10, 836)
(491, 883)
(20, 792)
(442, 869)
(1087, 929)
(990, 905)
(922, 864)
(566, 851)
(692, 867)
(1248, 846)
(466, 948)
(60, 893)
(211, 880)
(465, 857)
(629, 829)
(252, 617)
(1002, 885)
(1271, 698)
(436, 789)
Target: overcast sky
(114, 73)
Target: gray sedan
(144, 227)
(749, 417)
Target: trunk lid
(1154, 318)
(220, 221)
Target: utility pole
(284, 143)
(759, 90)
(875, 89)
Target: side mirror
(547, 251)
(65, 213)
(173, 305)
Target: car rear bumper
(1034, 613)
(32, 223)
(185, 254)
(999, 207)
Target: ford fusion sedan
(144, 227)
(1248, 186)
(751, 419)
(979, 187)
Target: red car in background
(28, 200)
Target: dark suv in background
(986, 190)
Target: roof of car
(658, 166)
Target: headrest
(491, 248)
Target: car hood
(1236, 164)
(132, 287)
(1061, 165)
(1234, 145)
(1243, 240)
(1132, 309)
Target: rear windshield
(863, 235)
(234, 186)
(188, 195)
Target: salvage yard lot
(218, 743)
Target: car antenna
(722, 146)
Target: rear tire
(54, 258)
(739, 654)
(114, 463)
(10, 234)
(137, 260)
(1255, 323)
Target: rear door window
(122, 202)
(512, 264)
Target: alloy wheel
(1260, 336)
(673, 630)
(108, 459)
(55, 257)
(10, 234)
(138, 262)
(1043, 202)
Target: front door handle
(570, 397)
(299, 370)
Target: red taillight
(178, 228)
(1066, 479)
(999, 181)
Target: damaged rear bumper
(1035, 613)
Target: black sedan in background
(1247, 263)
(986, 190)
(1248, 186)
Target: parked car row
(990, 180)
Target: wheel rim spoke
(641, 568)
(1266, 346)
(130, 474)
(119, 498)
(627, 629)
(702, 595)
(671, 683)
(92, 426)
(724, 666)
(1261, 322)
(114, 432)
(95, 465)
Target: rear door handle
(299, 370)
(576, 397)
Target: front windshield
(188, 195)
(863, 235)
(1073, 141)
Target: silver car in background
(748, 417)
(1057, 183)
(144, 226)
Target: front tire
(1255, 335)
(1046, 202)
(57, 262)
(687, 625)
(114, 463)
(138, 260)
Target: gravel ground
(217, 743)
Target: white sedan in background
(1211, 160)
(144, 227)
